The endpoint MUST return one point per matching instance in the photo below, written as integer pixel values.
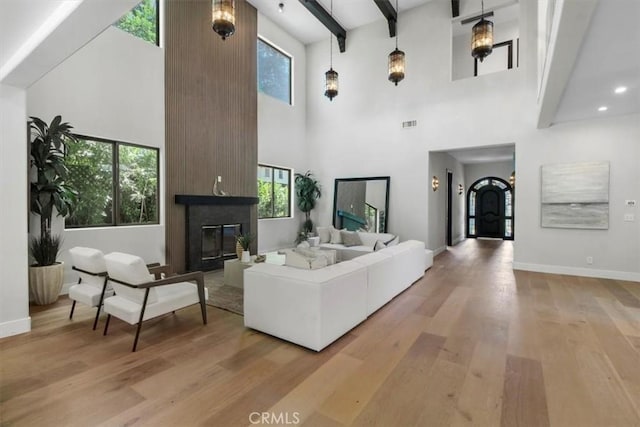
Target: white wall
(616, 251)
(14, 288)
(111, 88)
(475, 171)
(439, 164)
(360, 132)
(281, 135)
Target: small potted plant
(243, 241)
(48, 191)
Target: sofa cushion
(129, 269)
(88, 259)
(336, 237)
(370, 239)
(308, 261)
(324, 233)
(350, 238)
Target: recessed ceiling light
(603, 108)
(620, 89)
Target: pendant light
(482, 38)
(331, 76)
(223, 17)
(396, 58)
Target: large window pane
(90, 166)
(142, 21)
(138, 179)
(274, 192)
(265, 192)
(274, 72)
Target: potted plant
(48, 191)
(243, 241)
(307, 191)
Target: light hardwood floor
(472, 343)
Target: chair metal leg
(104, 288)
(106, 325)
(73, 307)
(144, 306)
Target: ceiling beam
(455, 8)
(327, 20)
(390, 14)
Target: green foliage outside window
(274, 72)
(274, 192)
(142, 21)
(91, 170)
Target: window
(274, 192)
(142, 21)
(274, 72)
(117, 183)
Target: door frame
(449, 207)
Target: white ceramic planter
(45, 283)
(246, 256)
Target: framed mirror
(361, 204)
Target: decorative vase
(45, 283)
(239, 250)
(246, 256)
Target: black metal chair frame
(196, 276)
(104, 288)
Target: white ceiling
(607, 59)
(498, 153)
(350, 14)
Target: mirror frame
(371, 178)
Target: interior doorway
(449, 208)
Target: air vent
(410, 124)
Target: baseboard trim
(458, 240)
(15, 327)
(576, 271)
(439, 250)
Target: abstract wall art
(575, 195)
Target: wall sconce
(223, 17)
(435, 183)
(460, 189)
(512, 179)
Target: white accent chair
(92, 285)
(141, 295)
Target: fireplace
(212, 224)
(219, 240)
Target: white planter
(45, 283)
(246, 256)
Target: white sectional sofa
(313, 308)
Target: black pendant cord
(397, 27)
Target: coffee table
(234, 268)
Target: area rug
(223, 296)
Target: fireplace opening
(219, 241)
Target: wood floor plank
(524, 396)
(399, 399)
(472, 343)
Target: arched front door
(490, 209)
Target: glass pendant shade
(396, 66)
(482, 39)
(331, 84)
(223, 17)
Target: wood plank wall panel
(211, 111)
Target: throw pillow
(324, 233)
(303, 245)
(336, 238)
(379, 245)
(350, 238)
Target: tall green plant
(307, 192)
(49, 189)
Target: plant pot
(239, 250)
(45, 283)
(246, 256)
